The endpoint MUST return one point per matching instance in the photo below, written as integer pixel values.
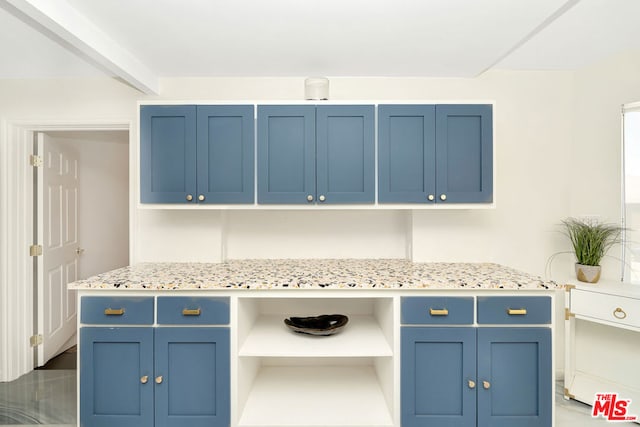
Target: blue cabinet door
(167, 153)
(286, 153)
(406, 153)
(116, 377)
(194, 366)
(345, 154)
(515, 363)
(464, 153)
(436, 367)
(225, 148)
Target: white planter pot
(588, 273)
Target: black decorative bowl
(326, 324)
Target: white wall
(317, 234)
(549, 125)
(532, 141)
(557, 143)
(601, 90)
(179, 235)
(103, 210)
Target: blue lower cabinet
(514, 377)
(194, 366)
(116, 377)
(485, 377)
(436, 369)
(154, 377)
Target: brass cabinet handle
(430, 197)
(144, 379)
(516, 311)
(443, 197)
(114, 311)
(472, 384)
(201, 197)
(191, 312)
(309, 198)
(322, 198)
(619, 313)
(159, 379)
(438, 312)
(486, 385)
(189, 197)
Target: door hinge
(35, 160)
(35, 340)
(568, 314)
(567, 394)
(35, 250)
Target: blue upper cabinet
(167, 153)
(196, 154)
(225, 153)
(464, 153)
(286, 153)
(345, 154)
(321, 154)
(406, 153)
(435, 154)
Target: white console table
(602, 343)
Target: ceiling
(140, 41)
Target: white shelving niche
(289, 379)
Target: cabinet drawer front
(610, 308)
(437, 311)
(514, 310)
(117, 311)
(193, 310)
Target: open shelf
(270, 337)
(336, 396)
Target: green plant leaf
(591, 239)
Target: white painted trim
(4, 244)
(631, 107)
(17, 289)
(375, 102)
(319, 207)
(71, 29)
(16, 228)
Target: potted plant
(591, 240)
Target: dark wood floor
(65, 360)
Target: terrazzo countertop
(314, 274)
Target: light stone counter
(315, 274)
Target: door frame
(17, 316)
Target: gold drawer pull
(114, 311)
(144, 379)
(486, 385)
(516, 311)
(159, 379)
(619, 313)
(191, 312)
(471, 384)
(438, 312)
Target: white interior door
(58, 234)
